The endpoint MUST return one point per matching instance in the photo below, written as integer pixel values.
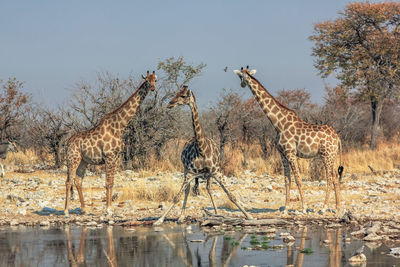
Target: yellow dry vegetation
(144, 191)
(355, 160)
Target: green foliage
(178, 72)
(265, 245)
(254, 240)
(234, 243)
(307, 251)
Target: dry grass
(385, 157)
(21, 158)
(145, 191)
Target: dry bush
(21, 158)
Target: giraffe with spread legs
(297, 138)
(103, 144)
(200, 158)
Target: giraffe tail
(340, 168)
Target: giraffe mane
(129, 98)
(276, 101)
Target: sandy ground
(38, 197)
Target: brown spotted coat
(103, 144)
(200, 157)
(297, 138)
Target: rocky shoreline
(37, 199)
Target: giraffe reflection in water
(79, 259)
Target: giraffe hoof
(196, 191)
(158, 222)
(181, 220)
(249, 217)
(283, 210)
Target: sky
(52, 45)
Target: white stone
(358, 258)
(44, 223)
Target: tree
(13, 104)
(299, 100)
(91, 102)
(362, 48)
(47, 132)
(224, 111)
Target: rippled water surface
(178, 246)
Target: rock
(92, 223)
(158, 229)
(269, 187)
(359, 232)
(347, 240)
(284, 234)
(358, 258)
(162, 206)
(288, 239)
(372, 237)
(334, 225)
(326, 241)
(14, 222)
(44, 223)
(395, 252)
(374, 228)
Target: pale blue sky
(51, 45)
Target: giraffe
(103, 144)
(297, 138)
(4, 148)
(200, 158)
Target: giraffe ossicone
(103, 144)
(200, 158)
(297, 138)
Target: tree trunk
(376, 109)
(57, 162)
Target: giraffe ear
(144, 77)
(252, 72)
(237, 72)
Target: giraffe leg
(185, 184)
(183, 211)
(80, 173)
(288, 182)
(2, 170)
(196, 187)
(72, 166)
(110, 172)
(328, 167)
(230, 196)
(295, 169)
(209, 192)
(336, 186)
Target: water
(174, 246)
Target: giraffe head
(244, 75)
(151, 79)
(182, 97)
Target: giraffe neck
(278, 114)
(128, 109)
(198, 131)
